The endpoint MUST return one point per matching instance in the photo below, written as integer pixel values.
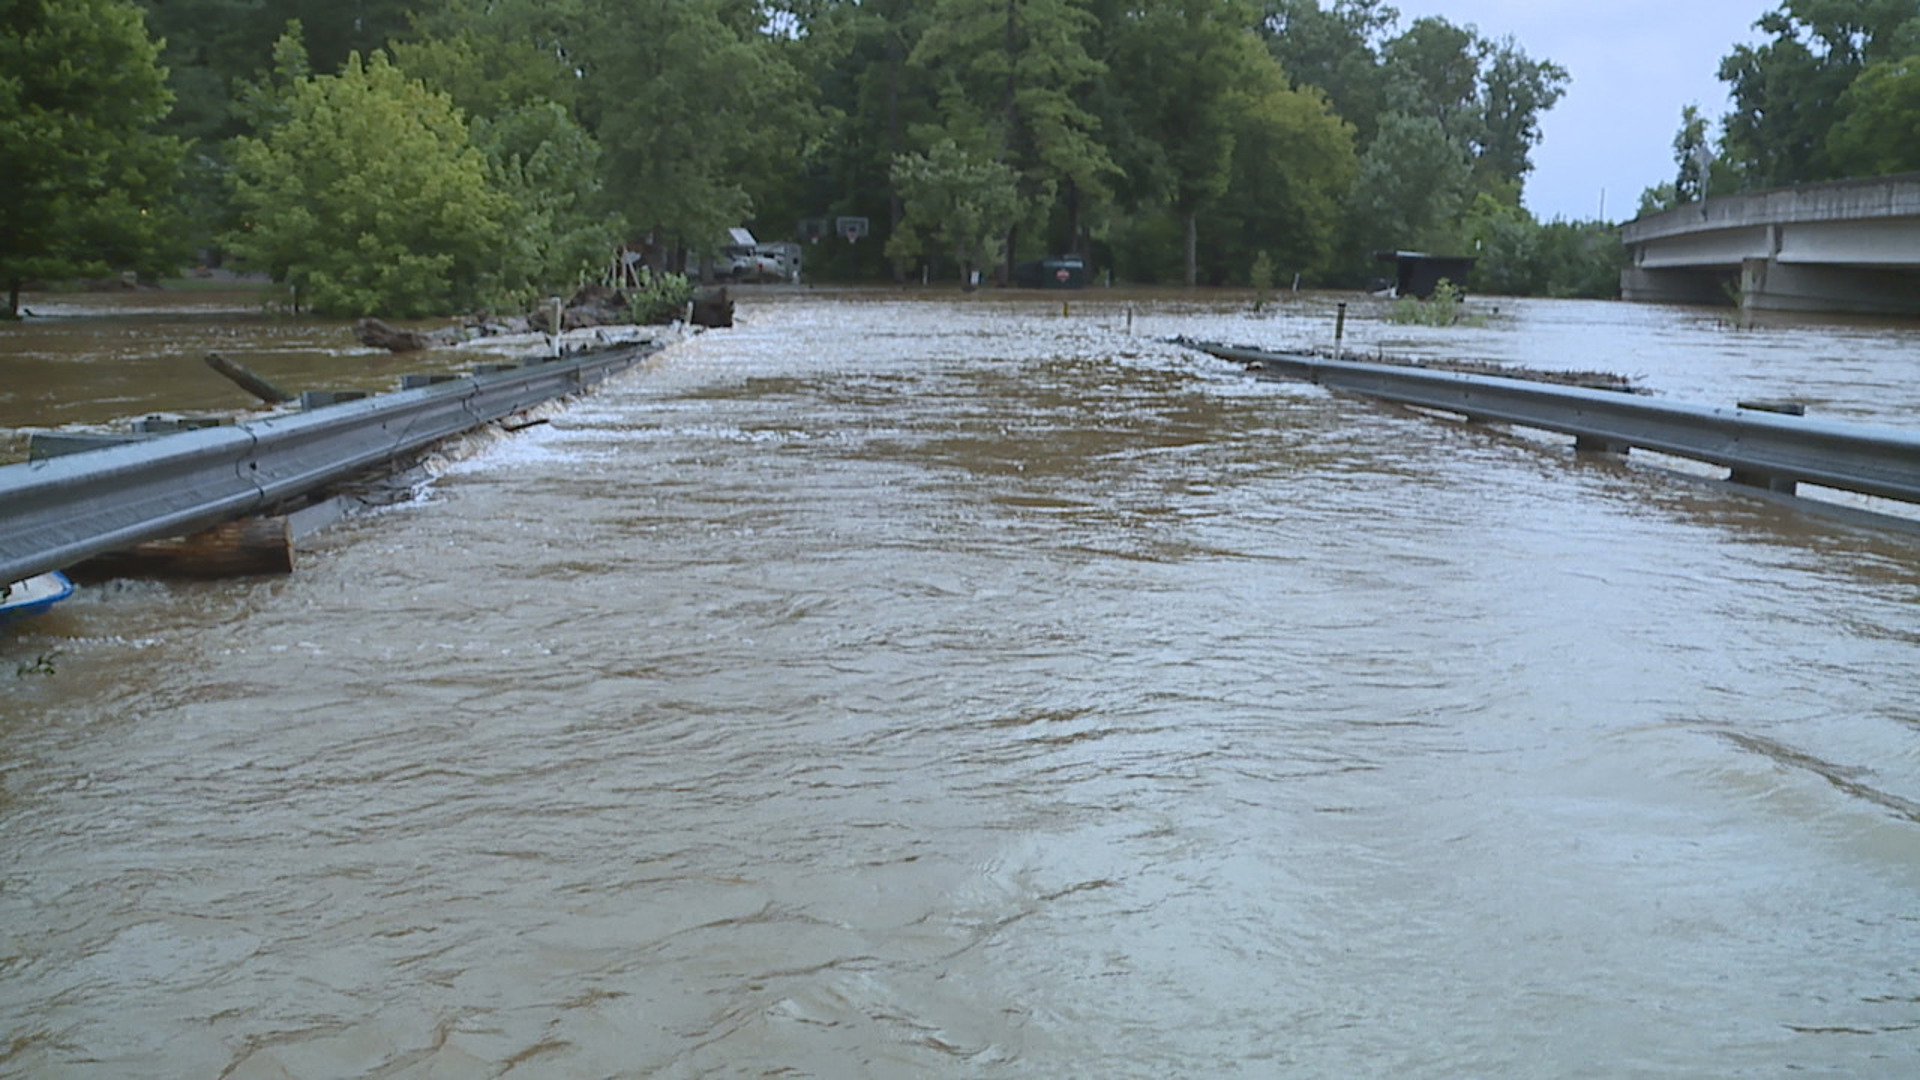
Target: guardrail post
(1594, 444)
(1763, 481)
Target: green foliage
(660, 297)
(214, 48)
(86, 187)
(1336, 50)
(1409, 94)
(548, 167)
(1879, 127)
(1505, 241)
(1581, 259)
(1514, 90)
(369, 198)
(1293, 163)
(958, 204)
(1788, 91)
(1260, 274)
(696, 109)
(1189, 73)
(1014, 75)
(485, 75)
(1446, 307)
(1433, 70)
(1517, 256)
(1179, 138)
(1412, 185)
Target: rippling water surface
(892, 687)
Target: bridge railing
(1761, 448)
(1863, 199)
(58, 511)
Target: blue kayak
(33, 596)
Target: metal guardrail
(58, 511)
(1763, 449)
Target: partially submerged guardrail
(58, 511)
(1763, 449)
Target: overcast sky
(1634, 63)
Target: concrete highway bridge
(1849, 245)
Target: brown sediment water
(937, 686)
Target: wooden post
(248, 380)
(250, 546)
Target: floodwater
(902, 686)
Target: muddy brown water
(903, 686)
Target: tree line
(1832, 92)
(409, 157)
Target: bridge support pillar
(1685, 285)
(1771, 285)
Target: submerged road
(892, 687)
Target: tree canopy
(370, 197)
(416, 155)
(86, 184)
(1826, 95)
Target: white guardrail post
(56, 512)
(1761, 448)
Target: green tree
(1011, 75)
(958, 204)
(1878, 131)
(1433, 70)
(870, 99)
(370, 198)
(85, 184)
(513, 83)
(1293, 162)
(1412, 185)
(487, 75)
(557, 228)
(1694, 155)
(211, 48)
(1581, 259)
(1699, 169)
(1178, 66)
(1514, 90)
(696, 107)
(1505, 242)
(1787, 91)
(1336, 50)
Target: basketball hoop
(853, 228)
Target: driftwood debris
(244, 548)
(247, 379)
(378, 334)
(592, 305)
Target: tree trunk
(244, 548)
(894, 206)
(13, 298)
(1074, 246)
(1193, 248)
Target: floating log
(381, 335)
(248, 380)
(244, 548)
